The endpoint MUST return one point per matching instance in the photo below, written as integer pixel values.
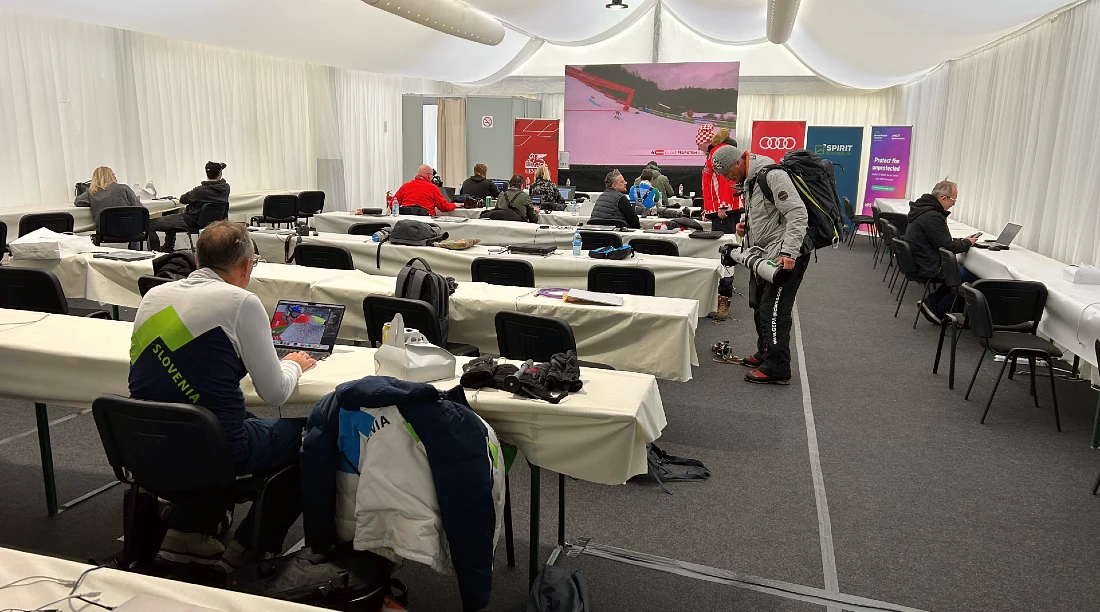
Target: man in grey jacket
(778, 228)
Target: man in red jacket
(423, 193)
(721, 204)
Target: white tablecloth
(503, 233)
(1072, 315)
(115, 588)
(665, 348)
(681, 277)
(565, 217)
(82, 215)
(598, 434)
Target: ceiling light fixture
(781, 14)
(448, 16)
(617, 5)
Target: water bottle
(681, 190)
(576, 243)
(396, 208)
(376, 236)
(575, 207)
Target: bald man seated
(423, 193)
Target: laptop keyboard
(283, 352)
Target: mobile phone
(975, 235)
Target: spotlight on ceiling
(617, 4)
(781, 14)
(447, 16)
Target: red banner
(536, 142)
(775, 139)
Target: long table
(605, 334)
(242, 206)
(679, 277)
(598, 434)
(82, 215)
(564, 217)
(504, 233)
(115, 587)
(1072, 315)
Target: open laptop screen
(306, 326)
(567, 192)
(1008, 234)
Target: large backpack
(416, 233)
(425, 285)
(506, 212)
(642, 195)
(815, 180)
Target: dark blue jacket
(455, 440)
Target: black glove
(478, 373)
(564, 373)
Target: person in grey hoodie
(106, 192)
(778, 228)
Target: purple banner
(888, 164)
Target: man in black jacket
(477, 186)
(613, 203)
(214, 190)
(926, 234)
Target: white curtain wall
(76, 96)
(451, 134)
(1015, 126)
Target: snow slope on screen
(595, 137)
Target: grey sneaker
(187, 548)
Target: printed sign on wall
(536, 142)
(888, 164)
(775, 139)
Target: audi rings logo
(777, 143)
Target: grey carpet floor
(928, 508)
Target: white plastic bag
(407, 355)
(44, 243)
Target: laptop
(502, 186)
(1008, 234)
(449, 193)
(306, 326)
(567, 193)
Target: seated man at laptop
(926, 234)
(193, 342)
(421, 192)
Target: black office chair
(510, 272)
(278, 210)
(122, 224)
(900, 221)
(416, 211)
(147, 282)
(367, 229)
(3, 238)
(1028, 299)
(209, 213)
(655, 246)
(887, 232)
(527, 336)
(417, 314)
(621, 279)
(1005, 316)
(176, 452)
(607, 222)
(595, 240)
(61, 223)
(1096, 485)
(39, 291)
(876, 239)
(310, 203)
(909, 270)
(857, 221)
(324, 256)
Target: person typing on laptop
(926, 234)
(193, 342)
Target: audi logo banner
(776, 138)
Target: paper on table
(581, 296)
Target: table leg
(533, 560)
(114, 312)
(46, 450)
(561, 509)
(1096, 426)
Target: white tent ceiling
(860, 43)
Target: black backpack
(425, 285)
(558, 590)
(815, 180)
(507, 213)
(416, 233)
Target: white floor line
(824, 523)
(52, 423)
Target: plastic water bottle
(576, 243)
(575, 207)
(681, 190)
(376, 236)
(396, 206)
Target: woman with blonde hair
(106, 192)
(544, 187)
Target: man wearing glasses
(926, 234)
(193, 342)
